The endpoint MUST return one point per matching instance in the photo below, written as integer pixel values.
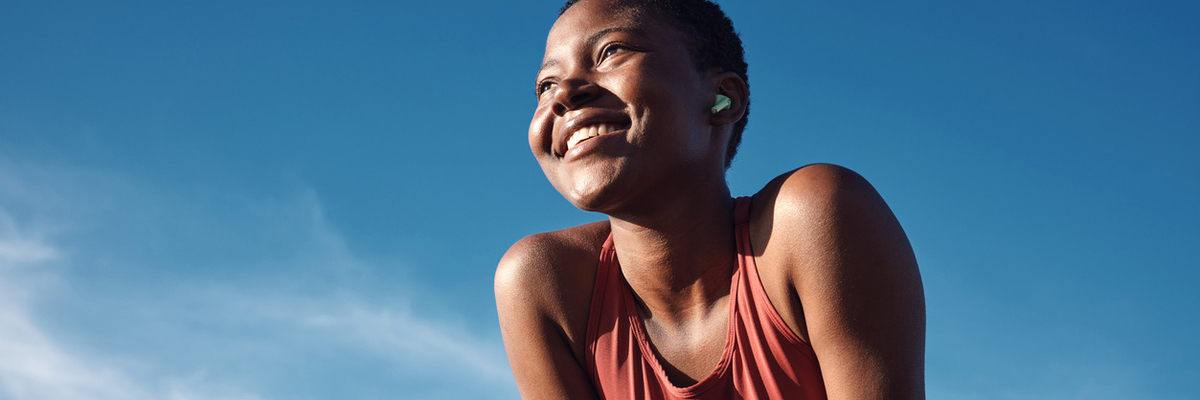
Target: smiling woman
(807, 289)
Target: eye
(543, 86)
(611, 49)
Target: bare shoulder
(817, 190)
(543, 296)
(847, 262)
(808, 208)
(819, 198)
(552, 271)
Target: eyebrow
(595, 38)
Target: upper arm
(858, 284)
(534, 301)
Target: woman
(809, 289)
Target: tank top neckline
(637, 325)
(762, 358)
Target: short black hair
(712, 42)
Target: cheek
(541, 131)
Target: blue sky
(306, 200)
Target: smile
(591, 131)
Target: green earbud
(721, 104)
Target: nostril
(572, 94)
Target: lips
(587, 126)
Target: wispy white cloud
(32, 365)
(416, 342)
(196, 333)
(15, 251)
(35, 366)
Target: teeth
(588, 132)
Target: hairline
(678, 25)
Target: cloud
(416, 342)
(16, 251)
(239, 299)
(32, 365)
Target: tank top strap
(741, 210)
(754, 298)
(600, 313)
(606, 278)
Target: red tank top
(762, 359)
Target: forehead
(591, 12)
(589, 17)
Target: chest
(689, 352)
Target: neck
(678, 256)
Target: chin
(587, 197)
(594, 192)
(595, 186)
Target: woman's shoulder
(552, 274)
(816, 198)
(556, 253)
(824, 231)
(794, 225)
(817, 215)
(816, 185)
(543, 297)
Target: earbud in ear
(721, 104)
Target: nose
(572, 94)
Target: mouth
(588, 125)
(591, 131)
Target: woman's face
(622, 109)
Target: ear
(732, 86)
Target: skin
(832, 257)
